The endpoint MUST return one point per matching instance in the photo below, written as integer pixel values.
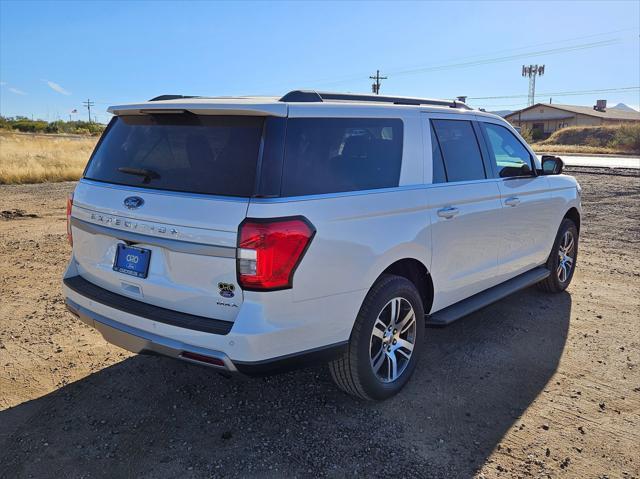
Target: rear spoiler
(199, 106)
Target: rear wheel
(562, 260)
(385, 342)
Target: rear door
(527, 219)
(173, 187)
(464, 204)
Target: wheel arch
(416, 272)
(574, 215)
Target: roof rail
(171, 97)
(312, 96)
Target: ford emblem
(133, 202)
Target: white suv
(254, 235)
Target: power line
(375, 88)
(88, 104)
(488, 61)
(537, 45)
(485, 61)
(561, 93)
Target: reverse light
(270, 250)
(69, 206)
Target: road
(601, 161)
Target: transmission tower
(532, 71)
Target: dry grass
(33, 158)
(609, 139)
(581, 149)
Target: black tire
(556, 282)
(354, 371)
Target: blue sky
(54, 55)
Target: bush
(537, 135)
(627, 137)
(27, 125)
(526, 133)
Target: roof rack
(312, 96)
(171, 97)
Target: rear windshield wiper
(147, 175)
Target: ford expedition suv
(253, 235)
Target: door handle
(448, 212)
(513, 201)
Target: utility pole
(375, 88)
(88, 104)
(532, 71)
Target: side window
(508, 154)
(330, 155)
(439, 174)
(460, 150)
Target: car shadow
(155, 417)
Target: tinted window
(506, 151)
(183, 152)
(460, 150)
(328, 155)
(439, 175)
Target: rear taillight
(269, 251)
(69, 206)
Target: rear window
(330, 155)
(214, 155)
(460, 150)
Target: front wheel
(385, 342)
(562, 260)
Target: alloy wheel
(566, 255)
(392, 340)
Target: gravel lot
(534, 386)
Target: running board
(467, 306)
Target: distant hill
(504, 113)
(622, 106)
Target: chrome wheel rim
(566, 256)
(392, 340)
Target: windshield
(214, 155)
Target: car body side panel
(353, 245)
(465, 247)
(525, 226)
(564, 196)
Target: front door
(527, 221)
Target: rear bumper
(144, 341)
(166, 316)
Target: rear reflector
(202, 358)
(69, 207)
(269, 251)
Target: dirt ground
(536, 385)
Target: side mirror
(551, 165)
